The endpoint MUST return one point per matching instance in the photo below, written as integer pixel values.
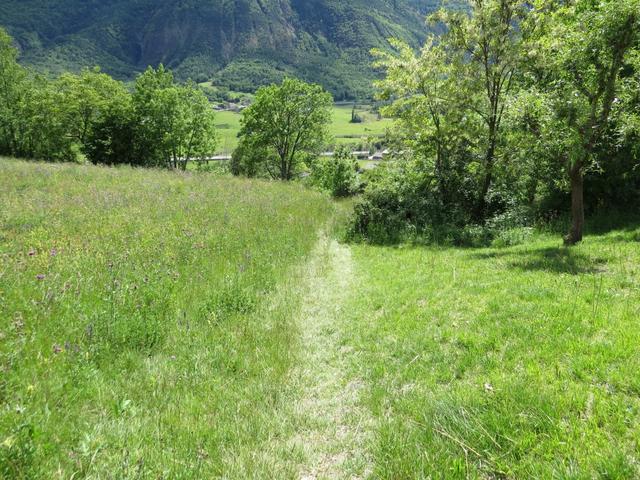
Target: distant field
(142, 332)
(341, 129)
(228, 126)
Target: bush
(399, 201)
(337, 175)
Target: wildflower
(54, 252)
(40, 276)
(57, 348)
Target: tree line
(157, 122)
(504, 115)
(501, 119)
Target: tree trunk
(577, 205)
(481, 206)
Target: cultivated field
(164, 325)
(228, 126)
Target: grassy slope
(502, 363)
(228, 124)
(168, 338)
(143, 328)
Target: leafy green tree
(452, 96)
(433, 123)
(176, 123)
(483, 49)
(250, 160)
(289, 123)
(85, 98)
(113, 138)
(582, 57)
(43, 132)
(12, 84)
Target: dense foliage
(90, 113)
(337, 174)
(286, 125)
(505, 114)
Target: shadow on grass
(622, 222)
(549, 259)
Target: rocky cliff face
(258, 40)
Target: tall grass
(139, 335)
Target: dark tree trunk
(481, 207)
(577, 205)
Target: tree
(338, 174)
(250, 160)
(483, 50)
(175, 123)
(582, 51)
(289, 122)
(43, 133)
(85, 98)
(422, 90)
(452, 96)
(12, 82)
(112, 138)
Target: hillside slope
(239, 42)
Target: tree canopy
(288, 122)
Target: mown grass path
(333, 427)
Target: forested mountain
(238, 43)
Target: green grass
(341, 129)
(145, 325)
(514, 362)
(227, 128)
(182, 325)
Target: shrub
(337, 175)
(399, 201)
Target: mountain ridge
(240, 44)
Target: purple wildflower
(40, 276)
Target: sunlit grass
(371, 125)
(502, 363)
(141, 335)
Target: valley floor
(226, 339)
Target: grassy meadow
(156, 324)
(341, 128)
(145, 325)
(509, 363)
